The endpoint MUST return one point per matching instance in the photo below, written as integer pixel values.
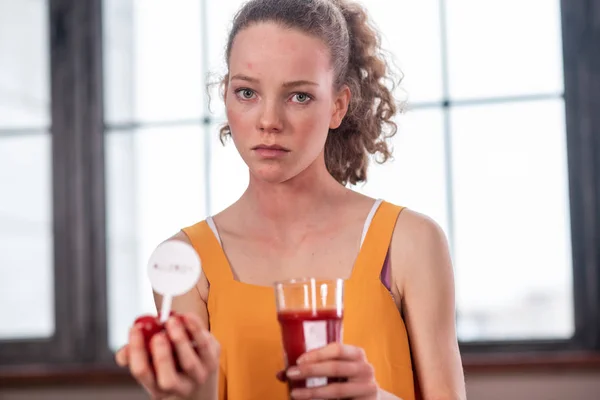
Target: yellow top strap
(377, 242)
(214, 262)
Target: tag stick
(165, 308)
(173, 269)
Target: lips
(270, 151)
(270, 147)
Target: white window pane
(155, 187)
(504, 48)
(416, 177)
(153, 60)
(24, 64)
(411, 31)
(26, 243)
(119, 61)
(226, 165)
(219, 18)
(512, 224)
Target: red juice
(306, 330)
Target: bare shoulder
(415, 228)
(423, 274)
(419, 247)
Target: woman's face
(280, 101)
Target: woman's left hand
(336, 360)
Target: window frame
(78, 207)
(580, 29)
(78, 134)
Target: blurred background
(109, 144)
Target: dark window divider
(581, 44)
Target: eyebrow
(247, 78)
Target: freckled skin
(273, 114)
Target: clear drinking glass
(310, 313)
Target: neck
(302, 200)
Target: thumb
(122, 356)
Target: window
(52, 198)
(484, 135)
(109, 144)
(25, 176)
(486, 126)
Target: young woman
(307, 103)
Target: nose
(271, 120)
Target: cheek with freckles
(304, 131)
(310, 134)
(243, 131)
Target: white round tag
(173, 268)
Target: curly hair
(358, 62)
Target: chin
(272, 173)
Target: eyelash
(240, 90)
(308, 97)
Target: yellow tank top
(243, 318)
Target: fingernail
(295, 393)
(173, 322)
(293, 372)
(159, 338)
(192, 327)
(281, 376)
(301, 360)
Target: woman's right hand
(199, 366)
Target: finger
(333, 351)
(167, 378)
(337, 391)
(341, 369)
(207, 345)
(189, 360)
(191, 319)
(122, 356)
(139, 364)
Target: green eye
(301, 97)
(247, 93)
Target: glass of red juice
(310, 313)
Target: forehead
(271, 50)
